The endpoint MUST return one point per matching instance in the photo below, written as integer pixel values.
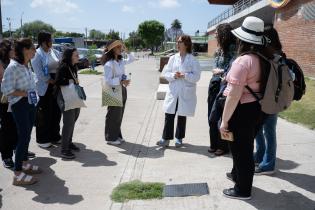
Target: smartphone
(229, 137)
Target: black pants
(168, 131)
(69, 119)
(244, 123)
(114, 118)
(215, 138)
(48, 117)
(8, 132)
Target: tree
(96, 35)
(152, 33)
(134, 41)
(32, 29)
(67, 34)
(112, 35)
(176, 28)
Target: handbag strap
(74, 77)
(113, 69)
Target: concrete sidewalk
(87, 181)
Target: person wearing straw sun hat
(113, 62)
(242, 116)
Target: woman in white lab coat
(182, 72)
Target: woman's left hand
(224, 128)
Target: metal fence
(236, 8)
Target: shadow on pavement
(264, 200)
(0, 199)
(286, 164)
(88, 157)
(50, 188)
(304, 181)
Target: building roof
(226, 2)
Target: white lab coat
(184, 89)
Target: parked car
(98, 54)
(83, 60)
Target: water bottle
(129, 76)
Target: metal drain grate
(181, 190)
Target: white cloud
(169, 3)
(56, 6)
(127, 8)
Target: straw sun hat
(113, 45)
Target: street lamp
(9, 21)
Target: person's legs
(181, 127)
(260, 146)
(113, 123)
(43, 119)
(269, 159)
(67, 129)
(124, 95)
(55, 121)
(168, 131)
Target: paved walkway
(87, 181)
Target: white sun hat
(251, 31)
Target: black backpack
(299, 82)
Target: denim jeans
(266, 144)
(24, 116)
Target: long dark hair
(43, 37)
(19, 46)
(187, 42)
(67, 56)
(5, 48)
(275, 45)
(109, 55)
(225, 37)
(245, 47)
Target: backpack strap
(253, 93)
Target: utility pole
(9, 21)
(22, 34)
(1, 35)
(86, 37)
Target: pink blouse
(245, 70)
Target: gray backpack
(279, 90)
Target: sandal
(23, 179)
(219, 152)
(31, 169)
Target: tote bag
(71, 97)
(111, 95)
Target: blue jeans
(24, 116)
(266, 144)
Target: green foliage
(176, 24)
(134, 41)
(32, 29)
(90, 54)
(137, 190)
(112, 35)
(96, 35)
(152, 33)
(67, 34)
(303, 111)
(89, 71)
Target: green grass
(303, 111)
(137, 190)
(90, 71)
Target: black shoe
(231, 193)
(67, 154)
(74, 147)
(31, 154)
(8, 163)
(229, 176)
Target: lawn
(137, 190)
(90, 71)
(303, 111)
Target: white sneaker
(117, 142)
(45, 145)
(121, 139)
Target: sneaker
(121, 140)
(259, 171)
(117, 142)
(163, 143)
(231, 193)
(8, 163)
(67, 154)
(74, 147)
(45, 145)
(229, 176)
(56, 142)
(31, 154)
(178, 143)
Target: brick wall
(212, 44)
(297, 34)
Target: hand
(217, 71)
(125, 82)
(182, 75)
(224, 129)
(51, 81)
(177, 75)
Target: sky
(121, 15)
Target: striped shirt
(17, 77)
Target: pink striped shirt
(245, 70)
